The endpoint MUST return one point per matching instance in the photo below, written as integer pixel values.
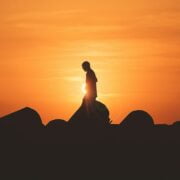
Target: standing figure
(91, 88)
(91, 111)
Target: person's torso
(91, 77)
(91, 81)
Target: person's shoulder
(91, 72)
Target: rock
(138, 119)
(57, 130)
(24, 118)
(23, 126)
(99, 116)
(57, 123)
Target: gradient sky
(134, 48)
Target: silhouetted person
(91, 88)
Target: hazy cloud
(73, 78)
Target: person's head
(86, 66)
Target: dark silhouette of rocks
(56, 131)
(98, 117)
(162, 126)
(24, 125)
(138, 119)
(87, 148)
(177, 124)
(57, 123)
(24, 118)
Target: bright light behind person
(83, 88)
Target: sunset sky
(133, 46)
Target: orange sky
(133, 47)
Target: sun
(83, 88)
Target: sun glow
(83, 88)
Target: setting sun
(133, 47)
(90, 88)
(83, 88)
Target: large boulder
(99, 116)
(23, 126)
(57, 131)
(138, 119)
(57, 123)
(26, 118)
